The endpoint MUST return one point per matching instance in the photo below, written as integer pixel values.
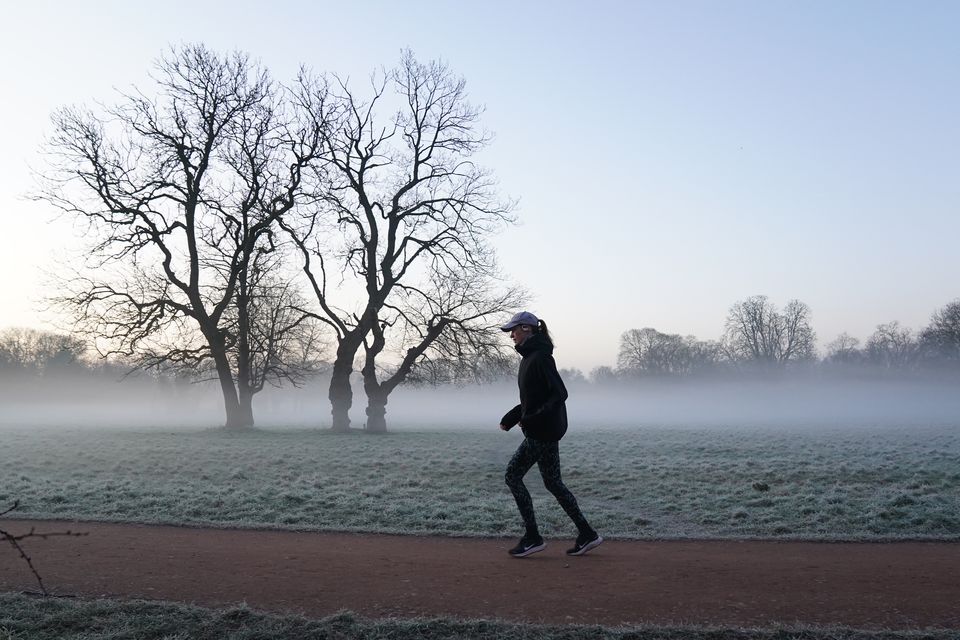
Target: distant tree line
(759, 338)
(33, 361)
(31, 352)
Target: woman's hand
(504, 427)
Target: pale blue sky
(670, 158)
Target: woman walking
(542, 416)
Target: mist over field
(799, 402)
(806, 458)
(702, 404)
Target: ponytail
(541, 328)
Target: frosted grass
(23, 618)
(632, 483)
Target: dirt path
(901, 585)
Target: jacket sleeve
(557, 391)
(512, 417)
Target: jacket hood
(536, 342)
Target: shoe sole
(530, 551)
(593, 544)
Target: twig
(15, 543)
(15, 505)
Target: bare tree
(180, 192)
(940, 340)
(705, 356)
(436, 370)
(758, 334)
(844, 350)
(453, 320)
(36, 351)
(272, 341)
(648, 352)
(397, 255)
(892, 347)
(573, 376)
(603, 375)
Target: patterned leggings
(547, 456)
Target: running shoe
(527, 546)
(584, 543)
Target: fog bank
(784, 403)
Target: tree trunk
(341, 393)
(231, 402)
(246, 407)
(244, 378)
(341, 396)
(376, 413)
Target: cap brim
(509, 327)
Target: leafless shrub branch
(33, 533)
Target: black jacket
(541, 413)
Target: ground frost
(641, 483)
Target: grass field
(862, 484)
(26, 618)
